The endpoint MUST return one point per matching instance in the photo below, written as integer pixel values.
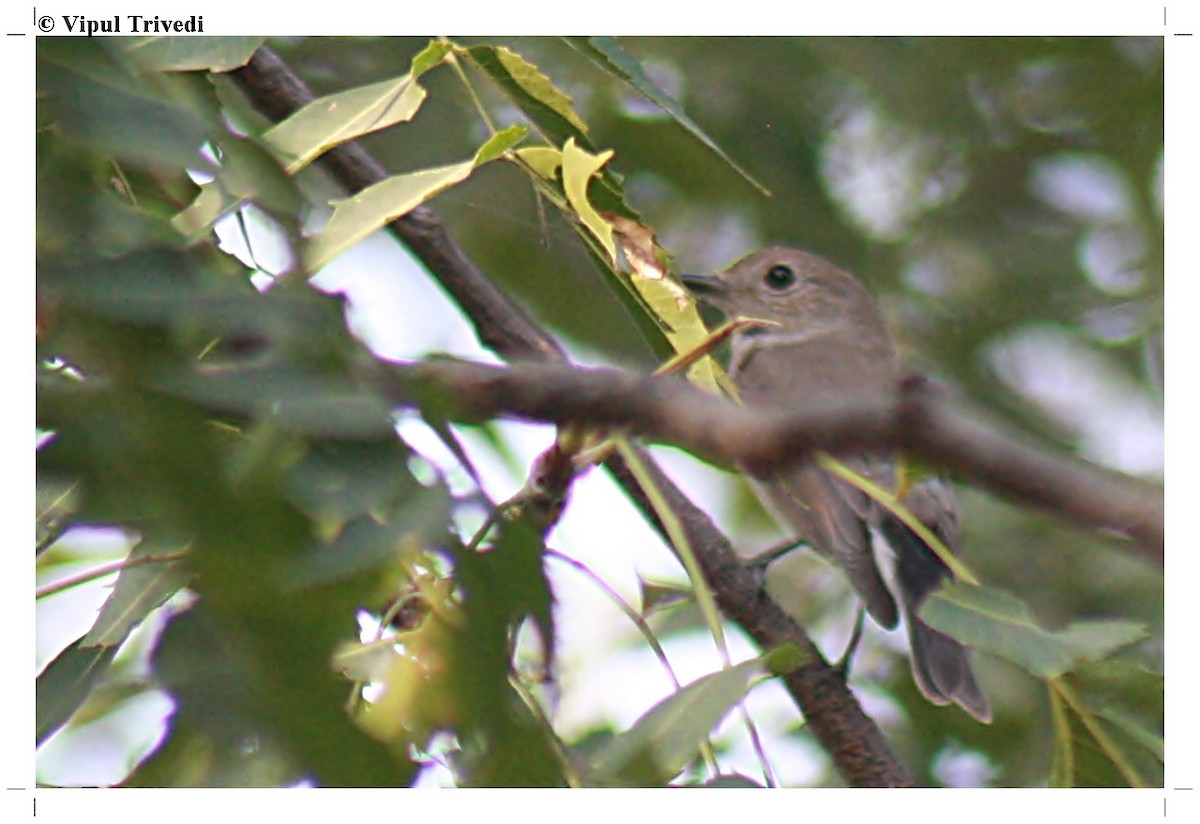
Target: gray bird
(830, 341)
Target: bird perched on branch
(827, 341)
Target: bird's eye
(779, 277)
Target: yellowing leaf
(538, 86)
(666, 298)
(578, 167)
(326, 122)
(336, 118)
(549, 110)
(544, 160)
(374, 207)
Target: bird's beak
(704, 286)
(708, 289)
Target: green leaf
(658, 596)
(669, 735)
(1115, 715)
(374, 207)
(65, 684)
(216, 735)
(95, 99)
(365, 545)
(504, 744)
(139, 591)
(994, 621)
(1101, 754)
(1062, 766)
(181, 54)
(606, 52)
(550, 110)
(340, 481)
(245, 172)
(1141, 733)
(336, 118)
(367, 662)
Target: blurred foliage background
(1001, 196)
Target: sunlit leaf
(545, 160)
(578, 166)
(550, 110)
(671, 304)
(336, 118)
(365, 662)
(356, 217)
(326, 122)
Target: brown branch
(859, 751)
(918, 419)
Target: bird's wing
(829, 514)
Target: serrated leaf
(65, 684)
(181, 54)
(550, 110)
(374, 207)
(606, 52)
(669, 735)
(997, 622)
(139, 590)
(578, 166)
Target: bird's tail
(942, 670)
(941, 666)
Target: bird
(825, 340)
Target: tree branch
(916, 419)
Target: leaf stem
(106, 569)
(889, 501)
(452, 59)
(1063, 689)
